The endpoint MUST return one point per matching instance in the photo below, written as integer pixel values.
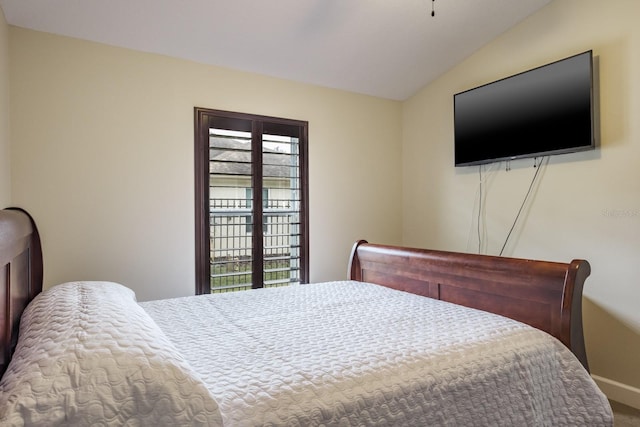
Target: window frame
(202, 215)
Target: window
(265, 202)
(251, 201)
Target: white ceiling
(384, 48)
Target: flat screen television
(543, 111)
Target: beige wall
(5, 163)
(586, 206)
(103, 159)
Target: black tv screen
(543, 111)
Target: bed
(413, 337)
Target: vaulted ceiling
(384, 48)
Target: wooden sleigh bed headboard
(546, 295)
(20, 275)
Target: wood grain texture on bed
(20, 275)
(546, 295)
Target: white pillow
(89, 354)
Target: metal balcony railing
(231, 234)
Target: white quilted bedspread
(88, 355)
(349, 353)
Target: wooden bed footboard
(546, 295)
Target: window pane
(281, 233)
(230, 210)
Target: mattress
(350, 354)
